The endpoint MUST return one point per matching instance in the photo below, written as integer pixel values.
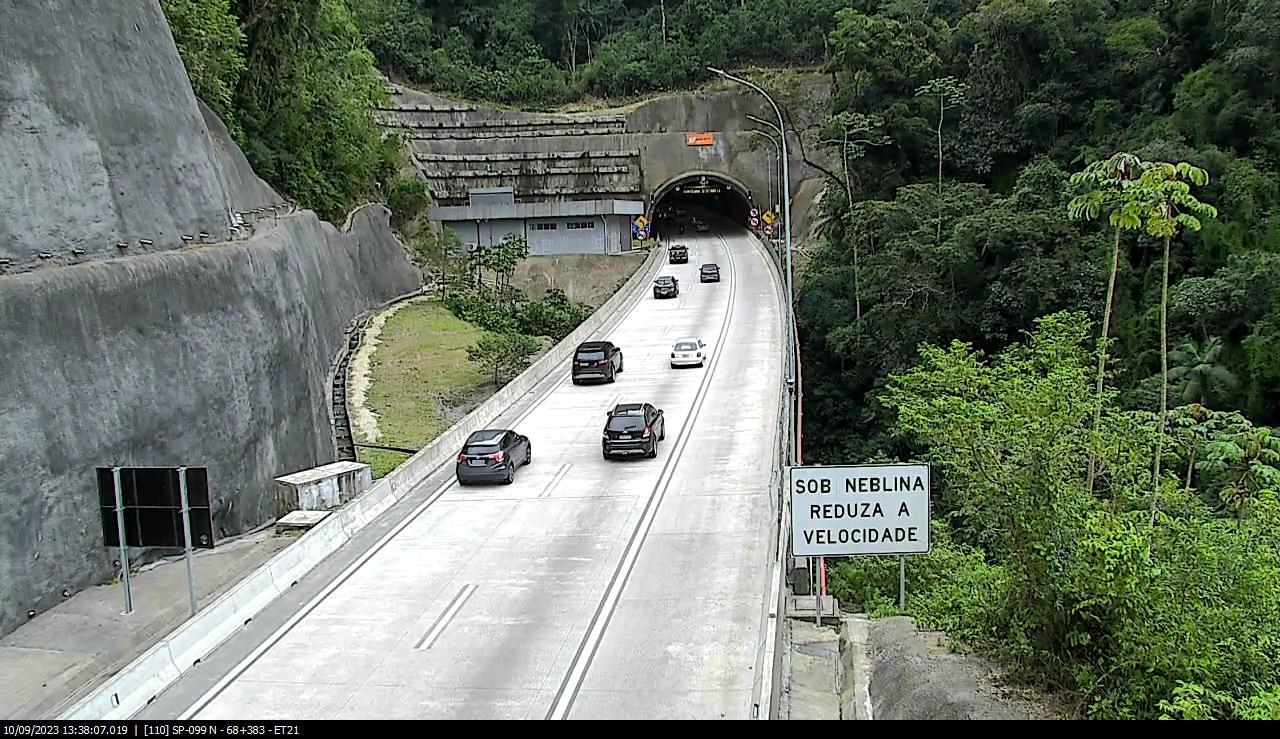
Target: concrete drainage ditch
(855, 668)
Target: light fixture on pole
(781, 128)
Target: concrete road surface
(624, 589)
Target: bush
(408, 199)
(504, 355)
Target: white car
(689, 352)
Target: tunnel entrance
(716, 201)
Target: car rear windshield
(591, 356)
(686, 346)
(664, 281)
(481, 449)
(709, 268)
(679, 248)
(626, 423)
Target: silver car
(689, 352)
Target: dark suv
(678, 254)
(633, 428)
(492, 455)
(709, 273)
(596, 360)
(666, 287)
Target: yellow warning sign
(769, 217)
(642, 222)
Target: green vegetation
(442, 356)
(1085, 343)
(296, 86)
(541, 54)
(502, 355)
(420, 372)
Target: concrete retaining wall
(216, 356)
(130, 689)
(101, 140)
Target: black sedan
(492, 455)
(709, 273)
(666, 287)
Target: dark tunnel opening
(699, 203)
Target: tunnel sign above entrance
(860, 510)
(699, 139)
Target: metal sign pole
(902, 582)
(186, 538)
(124, 543)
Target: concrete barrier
(130, 689)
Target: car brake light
(462, 457)
(496, 457)
(603, 361)
(646, 432)
(604, 434)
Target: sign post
(124, 544)
(186, 538)
(861, 510)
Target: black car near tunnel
(666, 287)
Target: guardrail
(130, 689)
(773, 646)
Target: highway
(625, 589)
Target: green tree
(212, 49)
(407, 197)
(1164, 191)
(949, 94)
(1107, 184)
(504, 355)
(1198, 371)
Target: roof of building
(552, 209)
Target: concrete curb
(130, 689)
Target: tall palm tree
(1164, 192)
(1198, 370)
(1107, 184)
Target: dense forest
(1027, 173)
(1050, 265)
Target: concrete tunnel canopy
(713, 193)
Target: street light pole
(786, 181)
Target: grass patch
(420, 373)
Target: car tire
(528, 456)
(612, 376)
(653, 451)
(576, 381)
(605, 454)
(462, 482)
(663, 435)
(621, 364)
(511, 475)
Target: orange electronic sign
(699, 139)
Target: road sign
(641, 222)
(860, 509)
(768, 230)
(755, 212)
(769, 217)
(755, 222)
(699, 139)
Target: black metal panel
(152, 501)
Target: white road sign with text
(864, 509)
